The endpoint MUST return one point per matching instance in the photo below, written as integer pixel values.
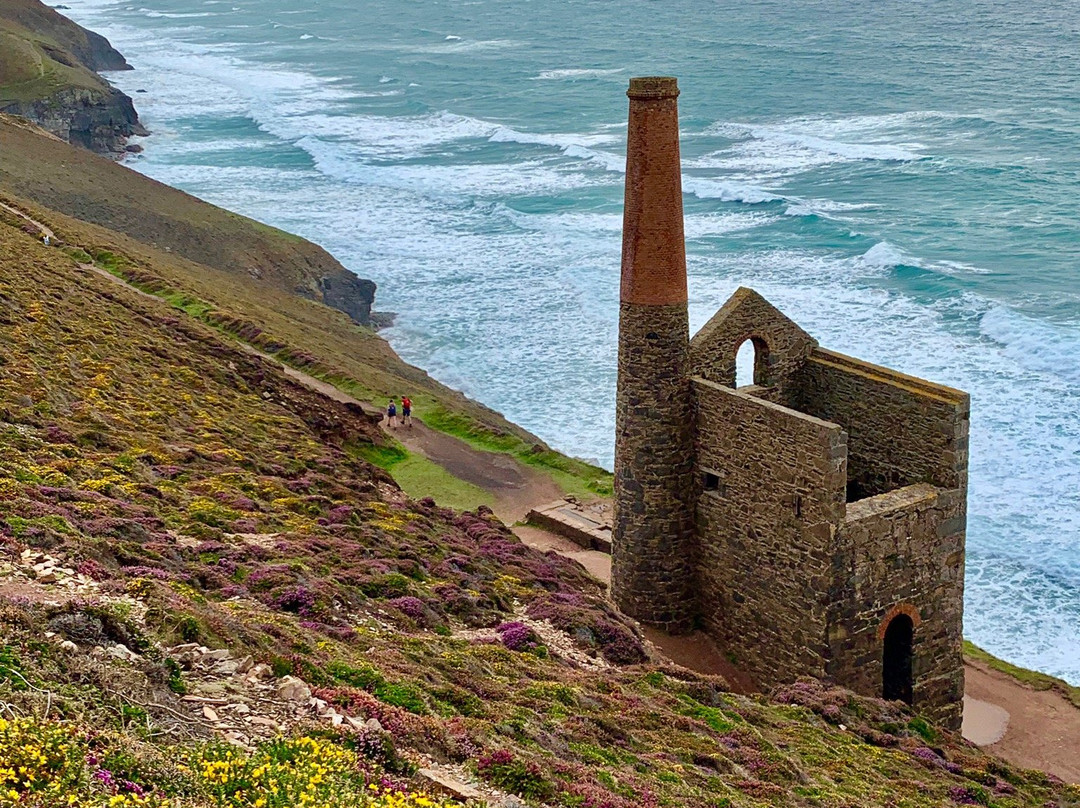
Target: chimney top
(653, 87)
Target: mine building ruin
(812, 522)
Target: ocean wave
(824, 208)
(1040, 346)
(574, 73)
(727, 190)
(504, 134)
(784, 149)
(885, 255)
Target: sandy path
(1043, 729)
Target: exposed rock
(292, 689)
(350, 294)
(53, 81)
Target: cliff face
(350, 294)
(47, 74)
(99, 120)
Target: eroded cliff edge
(48, 74)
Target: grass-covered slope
(241, 277)
(162, 492)
(93, 189)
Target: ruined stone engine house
(813, 522)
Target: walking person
(391, 414)
(406, 411)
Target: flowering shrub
(50, 764)
(516, 776)
(518, 636)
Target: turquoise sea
(900, 177)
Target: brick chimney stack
(652, 550)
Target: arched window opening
(752, 363)
(745, 362)
(896, 672)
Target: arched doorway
(896, 675)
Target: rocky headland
(49, 74)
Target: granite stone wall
(902, 553)
(767, 529)
(781, 347)
(901, 430)
(652, 564)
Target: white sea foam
(1034, 344)
(727, 190)
(576, 73)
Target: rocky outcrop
(350, 294)
(49, 76)
(99, 120)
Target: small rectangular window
(798, 505)
(712, 481)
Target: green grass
(1033, 679)
(420, 477)
(574, 476)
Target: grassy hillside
(97, 190)
(208, 597)
(36, 57)
(262, 311)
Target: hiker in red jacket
(406, 411)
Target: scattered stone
(69, 646)
(244, 664)
(209, 713)
(260, 671)
(216, 655)
(242, 709)
(292, 689)
(450, 785)
(373, 724)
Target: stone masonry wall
(781, 347)
(766, 532)
(902, 552)
(652, 563)
(901, 430)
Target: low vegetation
(187, 494)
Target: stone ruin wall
(764, 572)
(901, 430)
(781, 347)
(902, 551)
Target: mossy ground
(420, 477)
(213, 500)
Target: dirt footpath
(1043, 730)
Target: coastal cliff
(48, 75)
(94, 189)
